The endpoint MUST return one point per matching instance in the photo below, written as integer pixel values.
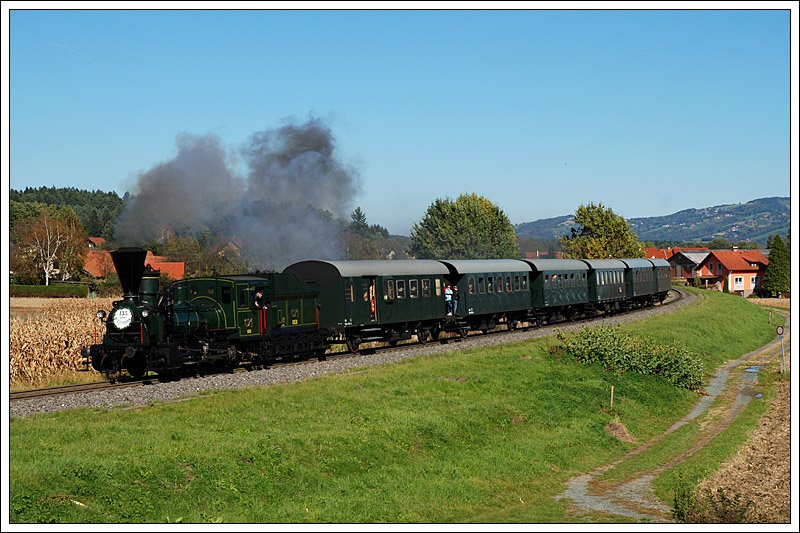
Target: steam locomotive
(221, 322)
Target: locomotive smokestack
(129, 263)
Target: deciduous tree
(52, 241)
(471, 227)
(599, 233)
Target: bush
(57, 290)
(620, 352)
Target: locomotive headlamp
(101, 314)
(122, 318)
(145, 313)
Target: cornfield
(48, 341)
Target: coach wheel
(422, 336)
(513, 325)
(352, 345)
(463, 332)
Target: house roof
(739, 260)
(98, 264)
(666, 253)
(694, 257)
(173, 269)
(96, 241)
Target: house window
(738, 283)
(719, 268)
(753, 281)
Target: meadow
(472, 436)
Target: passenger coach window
(471, 285)
(508, 283)
(388, 289)
(413, 288)
(426, 288)
(499, 283)
(524, 283)
(481, 289)
(438, 287)
(401, 289)
(348, 292)
(490, 284)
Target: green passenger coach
(489, 291)
(377, 300)
(558, 287)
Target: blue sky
(646, 111)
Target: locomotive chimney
(129, 263)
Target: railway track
(675, 296)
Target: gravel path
(172, 391)
(635, 498)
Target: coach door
(369, 299)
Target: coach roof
(373, 267)
(557, 264)
(637, 263)
(477, 266)
(603, 264)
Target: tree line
(49, 227)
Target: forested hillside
(754, 221)
(97, 210)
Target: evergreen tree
(777, 278)
(600, 234)
(471, 227)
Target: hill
(753, 221)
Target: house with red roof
(173, 270)
(676, 271)
(98, 264)
(95, 242)
(737, 271)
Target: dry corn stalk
(50, 340)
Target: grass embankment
(472, 436)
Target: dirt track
(759, 472)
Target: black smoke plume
(287, 207)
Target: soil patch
(618, 430)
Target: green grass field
(485, 435)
